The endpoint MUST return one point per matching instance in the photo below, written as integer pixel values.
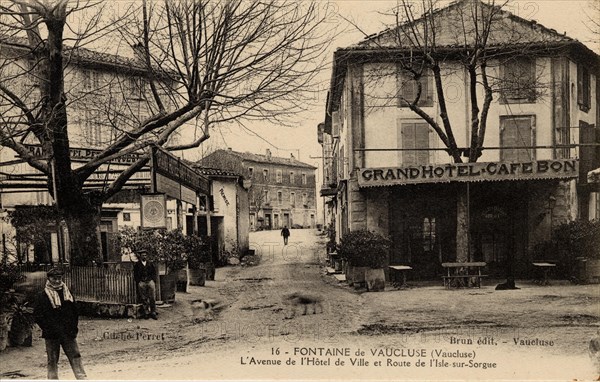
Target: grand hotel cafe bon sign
(469, 172)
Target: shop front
(503, 215)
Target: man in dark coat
(285, 232)
(144, 275)
(56, 314)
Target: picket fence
(93, 283)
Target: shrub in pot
(199, 258)
(369, 252)
(166, 248)
(20, 322)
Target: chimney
(139, 51)
(268, 154)
(229, 148)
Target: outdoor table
(401, 269)
(462, 272)
(545, 267)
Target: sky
(301, 139)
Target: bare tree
(474, 41)
(202, 62)
(470, 37)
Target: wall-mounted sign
(154, 210)
(469, 172)
(79, 154)
(174, 168)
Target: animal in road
(204, 310)
(298, 299)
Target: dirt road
(425, 332)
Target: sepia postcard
(394, 190)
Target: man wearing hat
(144, 274)
(56, 314)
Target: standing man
(144, 275)
(285, 232)
(56, 314)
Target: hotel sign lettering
(469, 172)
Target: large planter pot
(182, 280)
(592, 270)
(210, 271)
(347, 272)
(375, 279)
(20, 333)
(358, 275)
(168, 286)
(197, 277)
(3, 331)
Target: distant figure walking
(285, 232)
(144, 275)
(56, 314)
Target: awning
(469, 172)
(594, 176)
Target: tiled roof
(265, 159)
(81, 55)
(506, 28)
(214, 171)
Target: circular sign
(154, 211)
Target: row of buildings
(225, 195)
(387, 169)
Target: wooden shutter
(579, 84)
(516, 132)
(422, 142)
(518, 80)
(408, 88)
(587, 154)
(414, 136)
(408, 142)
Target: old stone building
(282, 191)
(388, 170)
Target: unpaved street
(422, 332)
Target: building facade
(228, 214)
(388, 170)
(102, 91)
(282, 191)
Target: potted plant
(367, 255)
(166, 249)
(20, 322)
(199, 259)
(9, 275)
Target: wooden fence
(92, 283)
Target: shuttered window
(515, 132)
(408, 88)
(587, 154)
(414, 136)
(518, 80)
(583, 88)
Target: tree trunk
(83, 236)
(462, 224)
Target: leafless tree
(472, 37)
(203, 62)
